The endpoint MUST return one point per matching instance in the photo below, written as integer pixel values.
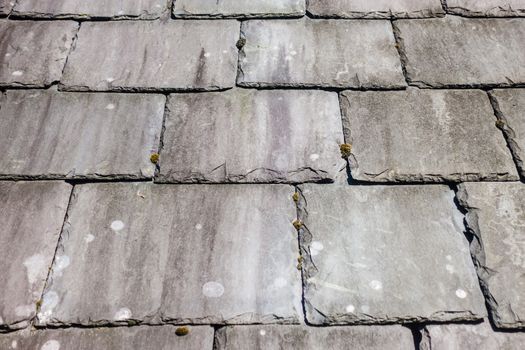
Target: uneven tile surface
(236, 8)
(375, 8)
(496, 8)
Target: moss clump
(295, 197)
(346, 150)
(39, 304)
(500, 123)
(154, 158)
(300, 262)
(182, 331)
(240, 43)
(297, 224)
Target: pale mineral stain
(117, 225)
(24, 310)
(460, 293)
(350, 308)
(17, 73)
(314, 157)
(89, 238)
(262, 332)
(213, 289)
(198, 227)
(51, 345)
(122, 314)
(376, 285)
(110, 106)
(36, 267)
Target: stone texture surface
(33, 54)
(376, 254)
(375, 8)
(133, 55)
(184, 254)
(50, 134)
(6, 6)
(31, 217)
(496, 219)
(252, 136)
(425, 135)
(457, 51)
(308, 53)
(239, 9)
(487, 8)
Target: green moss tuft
(346, 150)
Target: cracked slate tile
(6, 6)
(425, 135)
(456, 51)
(495, 217)
(33, 53)
(383, 254)
(79, 135)
(31, 217)
(238, 9)
(487, 8)
(201, 254)
(153, 56)
(245, 135)
(319, 53)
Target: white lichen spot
(61, 263)
(110, 80)
(280, 282)
(121, 12)
(17, 73)
(1, 320)
(7, 54)
(460, 293)
(350, 308)
(207, 54)
(449, 268)
(51, 345)
(24, 310)
(212, 289)
(122, 314)
(110, 106)
(36, 267)
(376, 285)
(448, 257)
(198, 227)
(49, 302)
(117, 225)
(314, 157)
(262, 332)
(14, 344)
(89, 238)
(315, 248)
(226, 51)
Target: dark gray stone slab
(50, 134)
(495, 217)
(152, 55)
(31, 217)
(375, 8)
(33, 54)
(383, 254)
(487, 8)
(6, 6)
(238, 9)
(457, 51)
(201, 254)
(425, 135)
(319, 53)
(252, 136)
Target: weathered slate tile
(150, 253)
(457, 51)
(375, 8)
(81, 135)
(31, 217)
(319, 53)
(425, 135)
(487, 8)
(495, 217)
(33, 54)
(238, 9)
(6, 6)
(276, 337)
(147, 55)
(381, 254)
(252, 136)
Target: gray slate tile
(33, 54)
(238, 9)
(152, 55)
(382, 254)
(425, 135)
(184, 254)
(319, 53)
(495, 217)
(6, 6)
(252, 136)
(31, 217)
(457, 51)
(487, 8)
(81, 135)
(375, 8)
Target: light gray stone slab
(319, 53)
(31, 217)
(33, 54)
(276, 337)
(487, 8)
(425, 135)
(457, 51)
(6, 6)
(200, 254)
(496, 219)
(238, 9)
(375, 8)
(246, 135)
(50, 134)
(152, 55)
(383, 254)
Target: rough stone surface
(6, 6)
(379, 254)
(150, 253)
(50, 134)
(496, 219)
(252, 136)
(485, 8)
(133, 55)
(310, 53)
(425, 135)
(33, 54)
(375, 8)
(297, 337)
(31, 217)
(240, 9)
(457, 51)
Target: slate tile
(200, 254)
(246, 135)
(6, 6)
(33, 54)
(319, 53)
(152, 55)
(496, 219)
(31, 217)
(383, 254)
(238, 9)
(487, 8)
(50, 134)
(425, 135)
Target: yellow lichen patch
(297, 224)
(346, 150)
(154, 158)
(240, 43)
(39, 304)
(300, 262)
(182, 331)
(500, 123)
(295, 197)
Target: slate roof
(264, 174)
